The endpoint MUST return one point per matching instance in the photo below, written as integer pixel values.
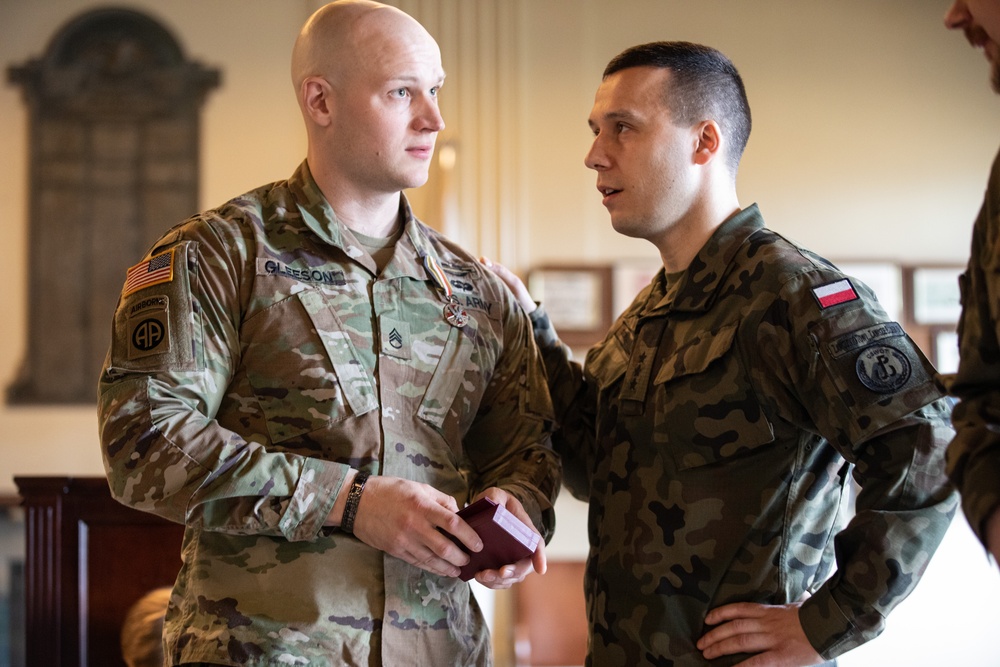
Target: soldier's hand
(512, 573)
(401, 518)
(513, 282)
(773, 632)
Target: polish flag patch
(833, 293)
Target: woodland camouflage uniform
(974, 454)
(715, 433)
(266, 361)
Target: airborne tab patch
(154, 271)
(832, 294)
(149, 327)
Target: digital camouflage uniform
(730, 413)
(246, 380)
(974, 455)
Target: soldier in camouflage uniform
(974, 454)
(717, 429)
(271, 354)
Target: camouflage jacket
(256, 359)
(974, 454)
(715, 432)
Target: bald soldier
(313, 382)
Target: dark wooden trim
(88, 558)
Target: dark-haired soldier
(717, 430)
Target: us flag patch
(834, 293)
(155, 270)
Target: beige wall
(873, 132)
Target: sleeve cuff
(830, 631)
(314, 496)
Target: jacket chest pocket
(444, 376)
(303, 366)
(430, 367)
(705, 409)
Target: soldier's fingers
(445, 501)
(733, 611)
(427, 560)
(462, 531)
(441, 546)
(728, 630)
(538, 560)
(754, 642)
(513, 282)
(506, 576)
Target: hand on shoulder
(515, 284)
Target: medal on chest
(454, 313)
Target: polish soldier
(725, 420)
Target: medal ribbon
(437, 274)
(454, 314)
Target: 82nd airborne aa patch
(148, 327)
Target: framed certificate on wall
(577, 299)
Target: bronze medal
(455, 314)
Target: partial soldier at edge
(974, 454)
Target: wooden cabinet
(88, 558)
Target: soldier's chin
(626, 227)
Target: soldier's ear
(709, 142)
(316, 95)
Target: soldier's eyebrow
(616, 116)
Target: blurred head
(670, 122)
(980, 21)
(142, 630)
(367, 77)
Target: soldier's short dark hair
(704, 85)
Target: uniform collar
(700, 281)
(320, 218)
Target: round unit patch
(883, 369)
(148, 334)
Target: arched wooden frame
(114, 139)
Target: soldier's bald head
(339, 38)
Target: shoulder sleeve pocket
(154, 325)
